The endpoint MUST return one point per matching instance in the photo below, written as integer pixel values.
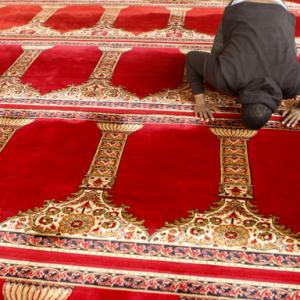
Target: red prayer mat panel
(167, 171)
(75, 17)
(275, 175)
(62, 66)
(8, 55)
(145, 71)
(138, 19)
(206, 20)
(44, 160)
(17, 15)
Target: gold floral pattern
(233, 224)
(108, 18)
(22, 63)
(30, 291)
(235, 172)
(106, 65)
(106, 161)
(231, 235)
(89, 213)
(76, 224)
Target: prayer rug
(110, 188)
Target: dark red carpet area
(276, 174)
(74, 17)
(17, 15)
(170, 168)
(146, 71)
(138, 19)
(45, 165)
(9, 54)
(60, 67)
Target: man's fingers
(285, 112)
(201, 115)
(292, 118)
(211, 117)
(287, 118)
(206, 115)
(293, 122)
(296, 121)
(197, 112)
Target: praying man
(253, 57)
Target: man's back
(259, 43)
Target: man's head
(254, 116)
(259, 98)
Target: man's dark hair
(255, 116)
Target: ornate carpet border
(35, 273)
(119, 104)
(107, 104)
(131, 118)
(154, 251)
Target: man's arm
(200, 66)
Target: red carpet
(138, 19)
(146, 71)
(110, 188)
(74, 17)
(277, 174)
(9, 54)
(17, 15)
(206, 20)
(61, 67)
(167, 170)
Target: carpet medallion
(110, 188)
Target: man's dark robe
(258, 62)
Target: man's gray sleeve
(203, 65)
(218, 44)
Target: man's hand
(291, 117)
(202, 109)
